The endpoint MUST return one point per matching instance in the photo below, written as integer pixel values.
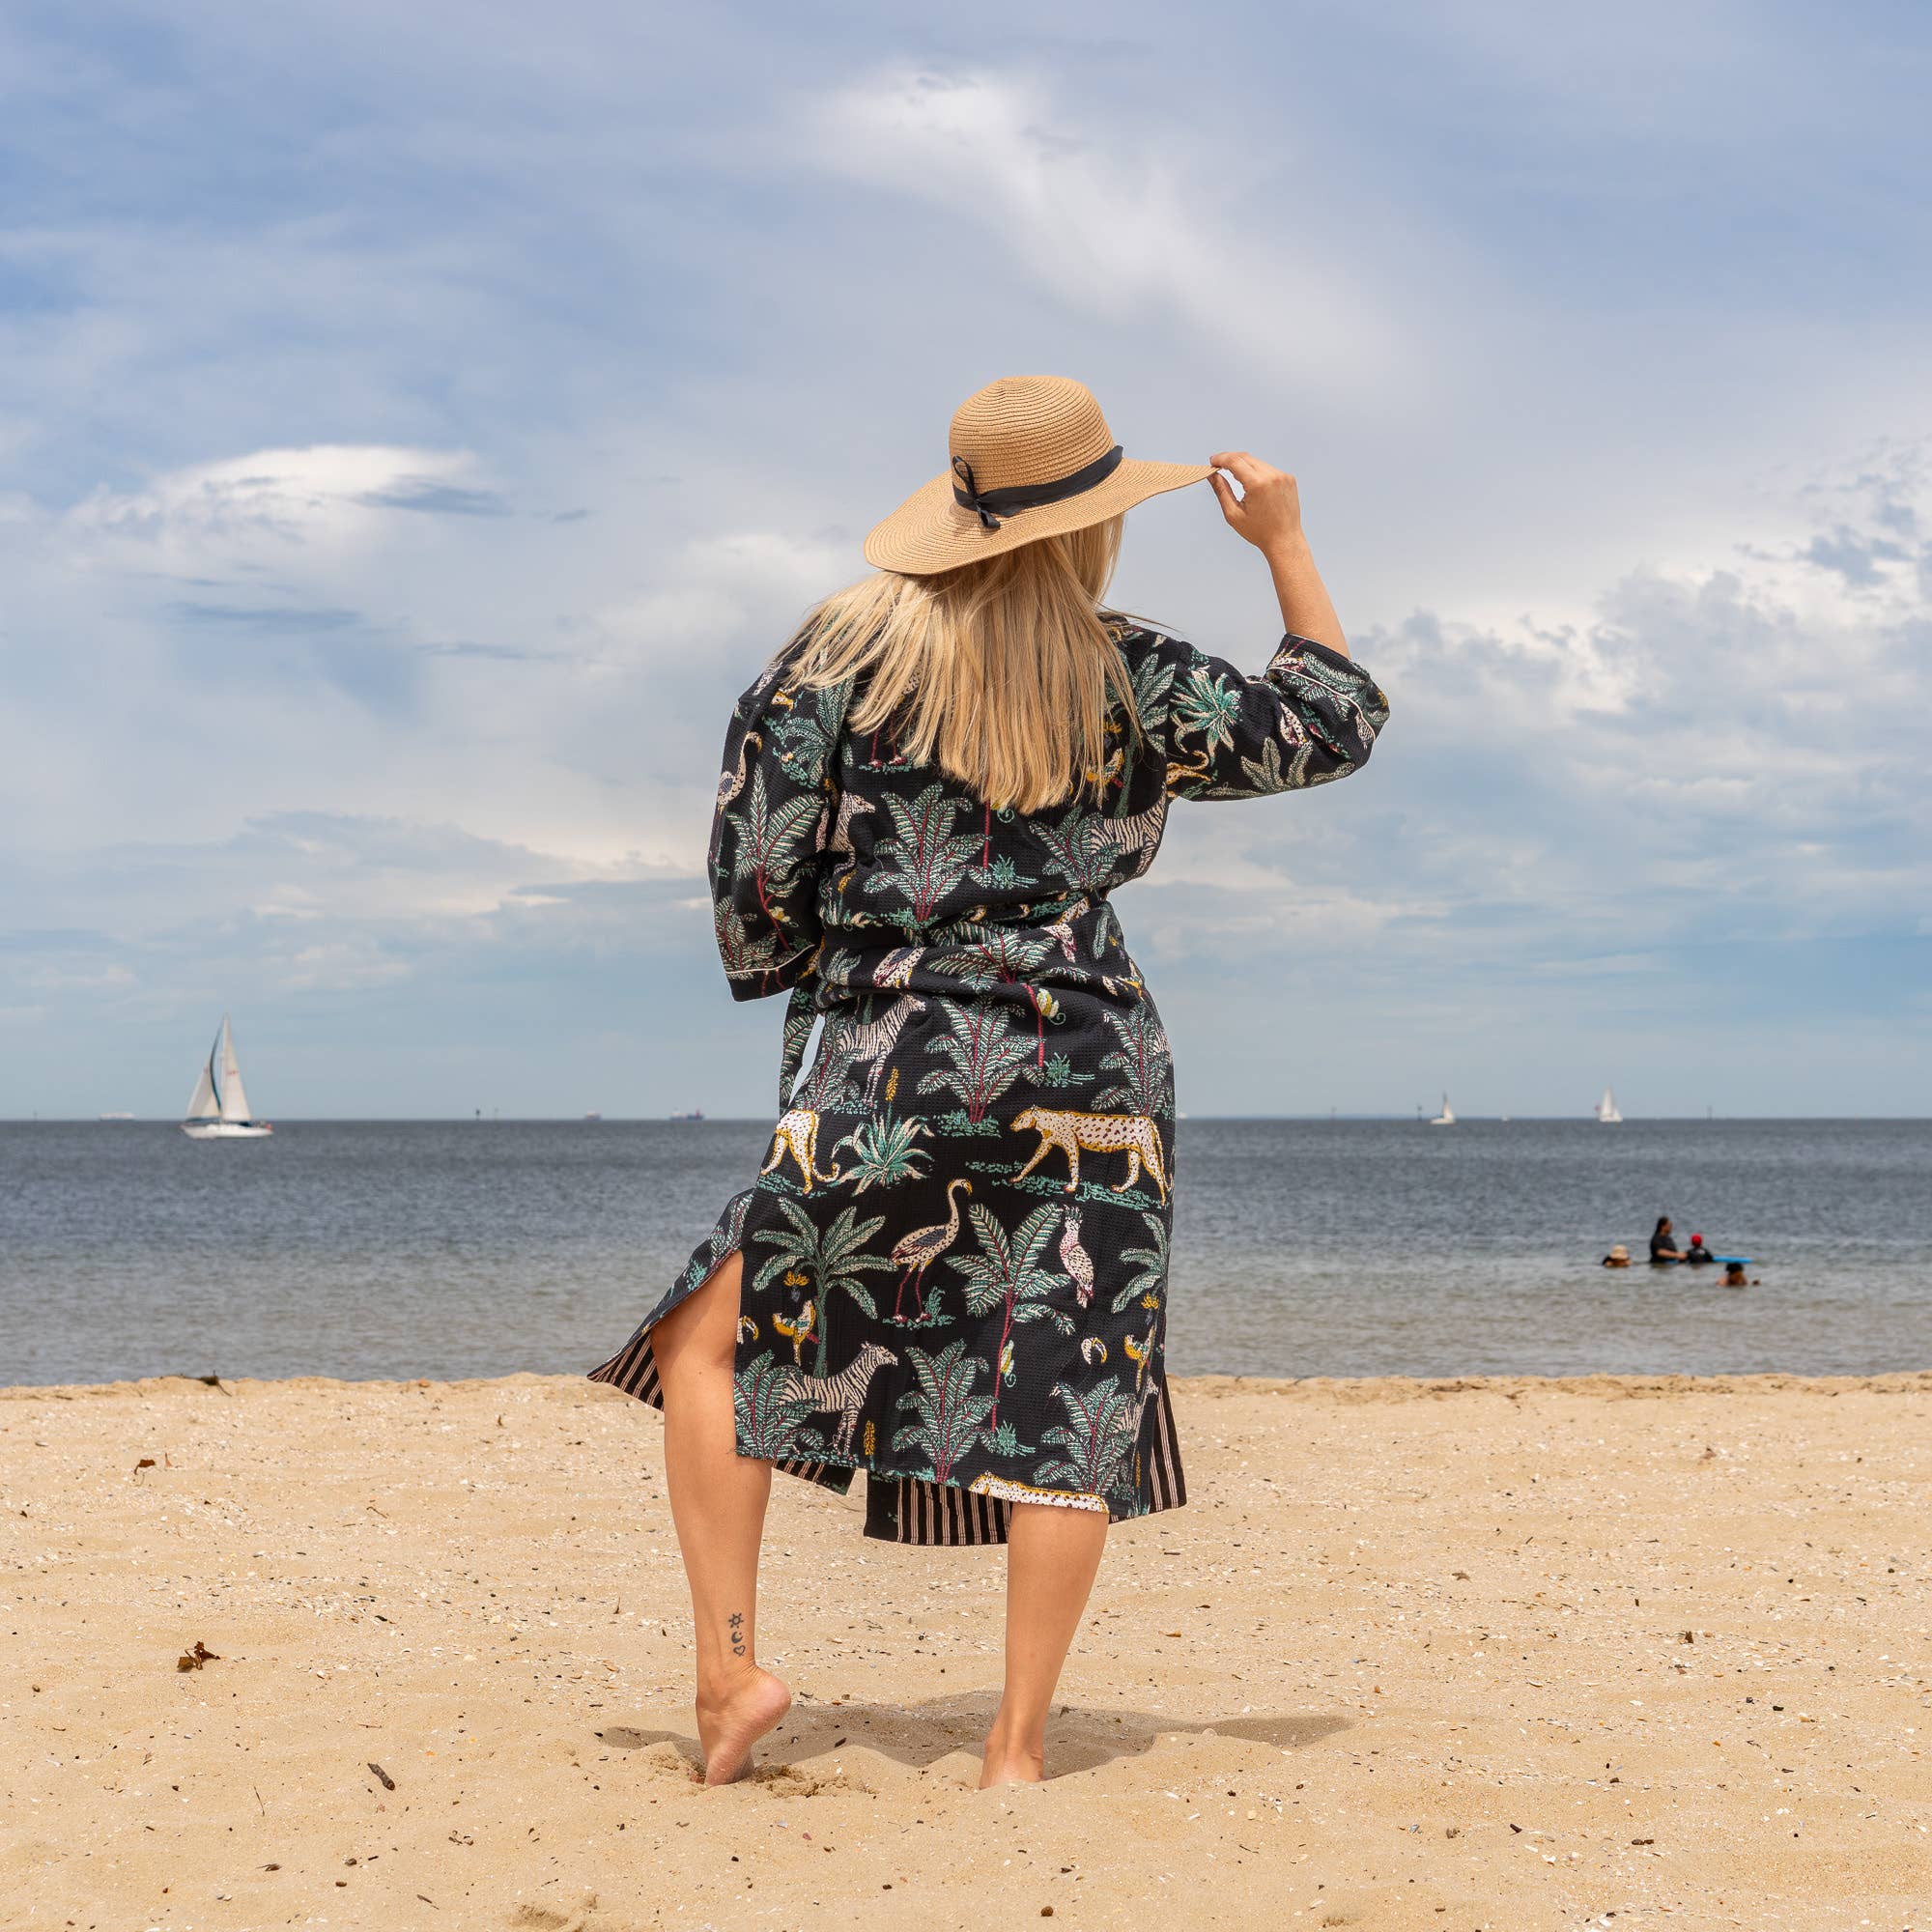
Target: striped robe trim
(905, 1508)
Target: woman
(952, 1270)
(1663, 1251)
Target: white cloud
(1114, 213)
(331, 498)
(494, 407)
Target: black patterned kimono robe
(955, 1256)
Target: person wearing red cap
(1697, 1252)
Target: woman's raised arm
(1267, 513)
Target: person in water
(1696, 1254)
(1661, 1249)
(1735, 1277)
(1619, 1256)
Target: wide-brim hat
(1032, 457)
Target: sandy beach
(1522, 1654)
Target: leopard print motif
(797, 1134)
(1100, 1134)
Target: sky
(417, 424)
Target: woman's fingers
(1247, 471)
(1269, 510)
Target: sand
(1507, 1654)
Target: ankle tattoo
(736, 1623)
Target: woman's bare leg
(1052, 1556)
(718, 1504)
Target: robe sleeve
(1310, 717)
(776, 800)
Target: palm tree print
(925, 858)
(1150, 1279)
(1140, 1062)
(770, 1414)
(1080, 848)
(809, 730)
(949, 1411)
(930, 944)
(1003, 957)
(832, 1259)
(771, 848)
(743, 949)
(1209, 708)
(1095, 1440)
(984, 1057)
(1007, 1274)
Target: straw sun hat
(1032, 457)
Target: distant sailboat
(1447, 1117)
(219, 1109)
(1607, 1109)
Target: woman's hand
(1268, 511)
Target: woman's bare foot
(732, 1720)
(1011, 1764)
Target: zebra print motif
(842, 1394)
(856, 1042)
(1140, 833)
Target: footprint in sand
(584, 1916)
(797, 1780)
(675, 1760)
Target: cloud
(1728, 760)
(329, 498)
(1113, 216)
(403, 460)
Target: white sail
(228, 1078)
(205, 1106)
(219, 1109)
(1447, 1117)
(1607, 1109)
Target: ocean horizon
(1311, 1246)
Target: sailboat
(1447, 1117)
(1607, 1109)
(219, 1109)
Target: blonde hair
(1002, 672)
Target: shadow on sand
(919, 1734)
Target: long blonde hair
(1002, 672)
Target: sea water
(378, 1249)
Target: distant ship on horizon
(219, 1108)
(114, 1116)
(695, 1114)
